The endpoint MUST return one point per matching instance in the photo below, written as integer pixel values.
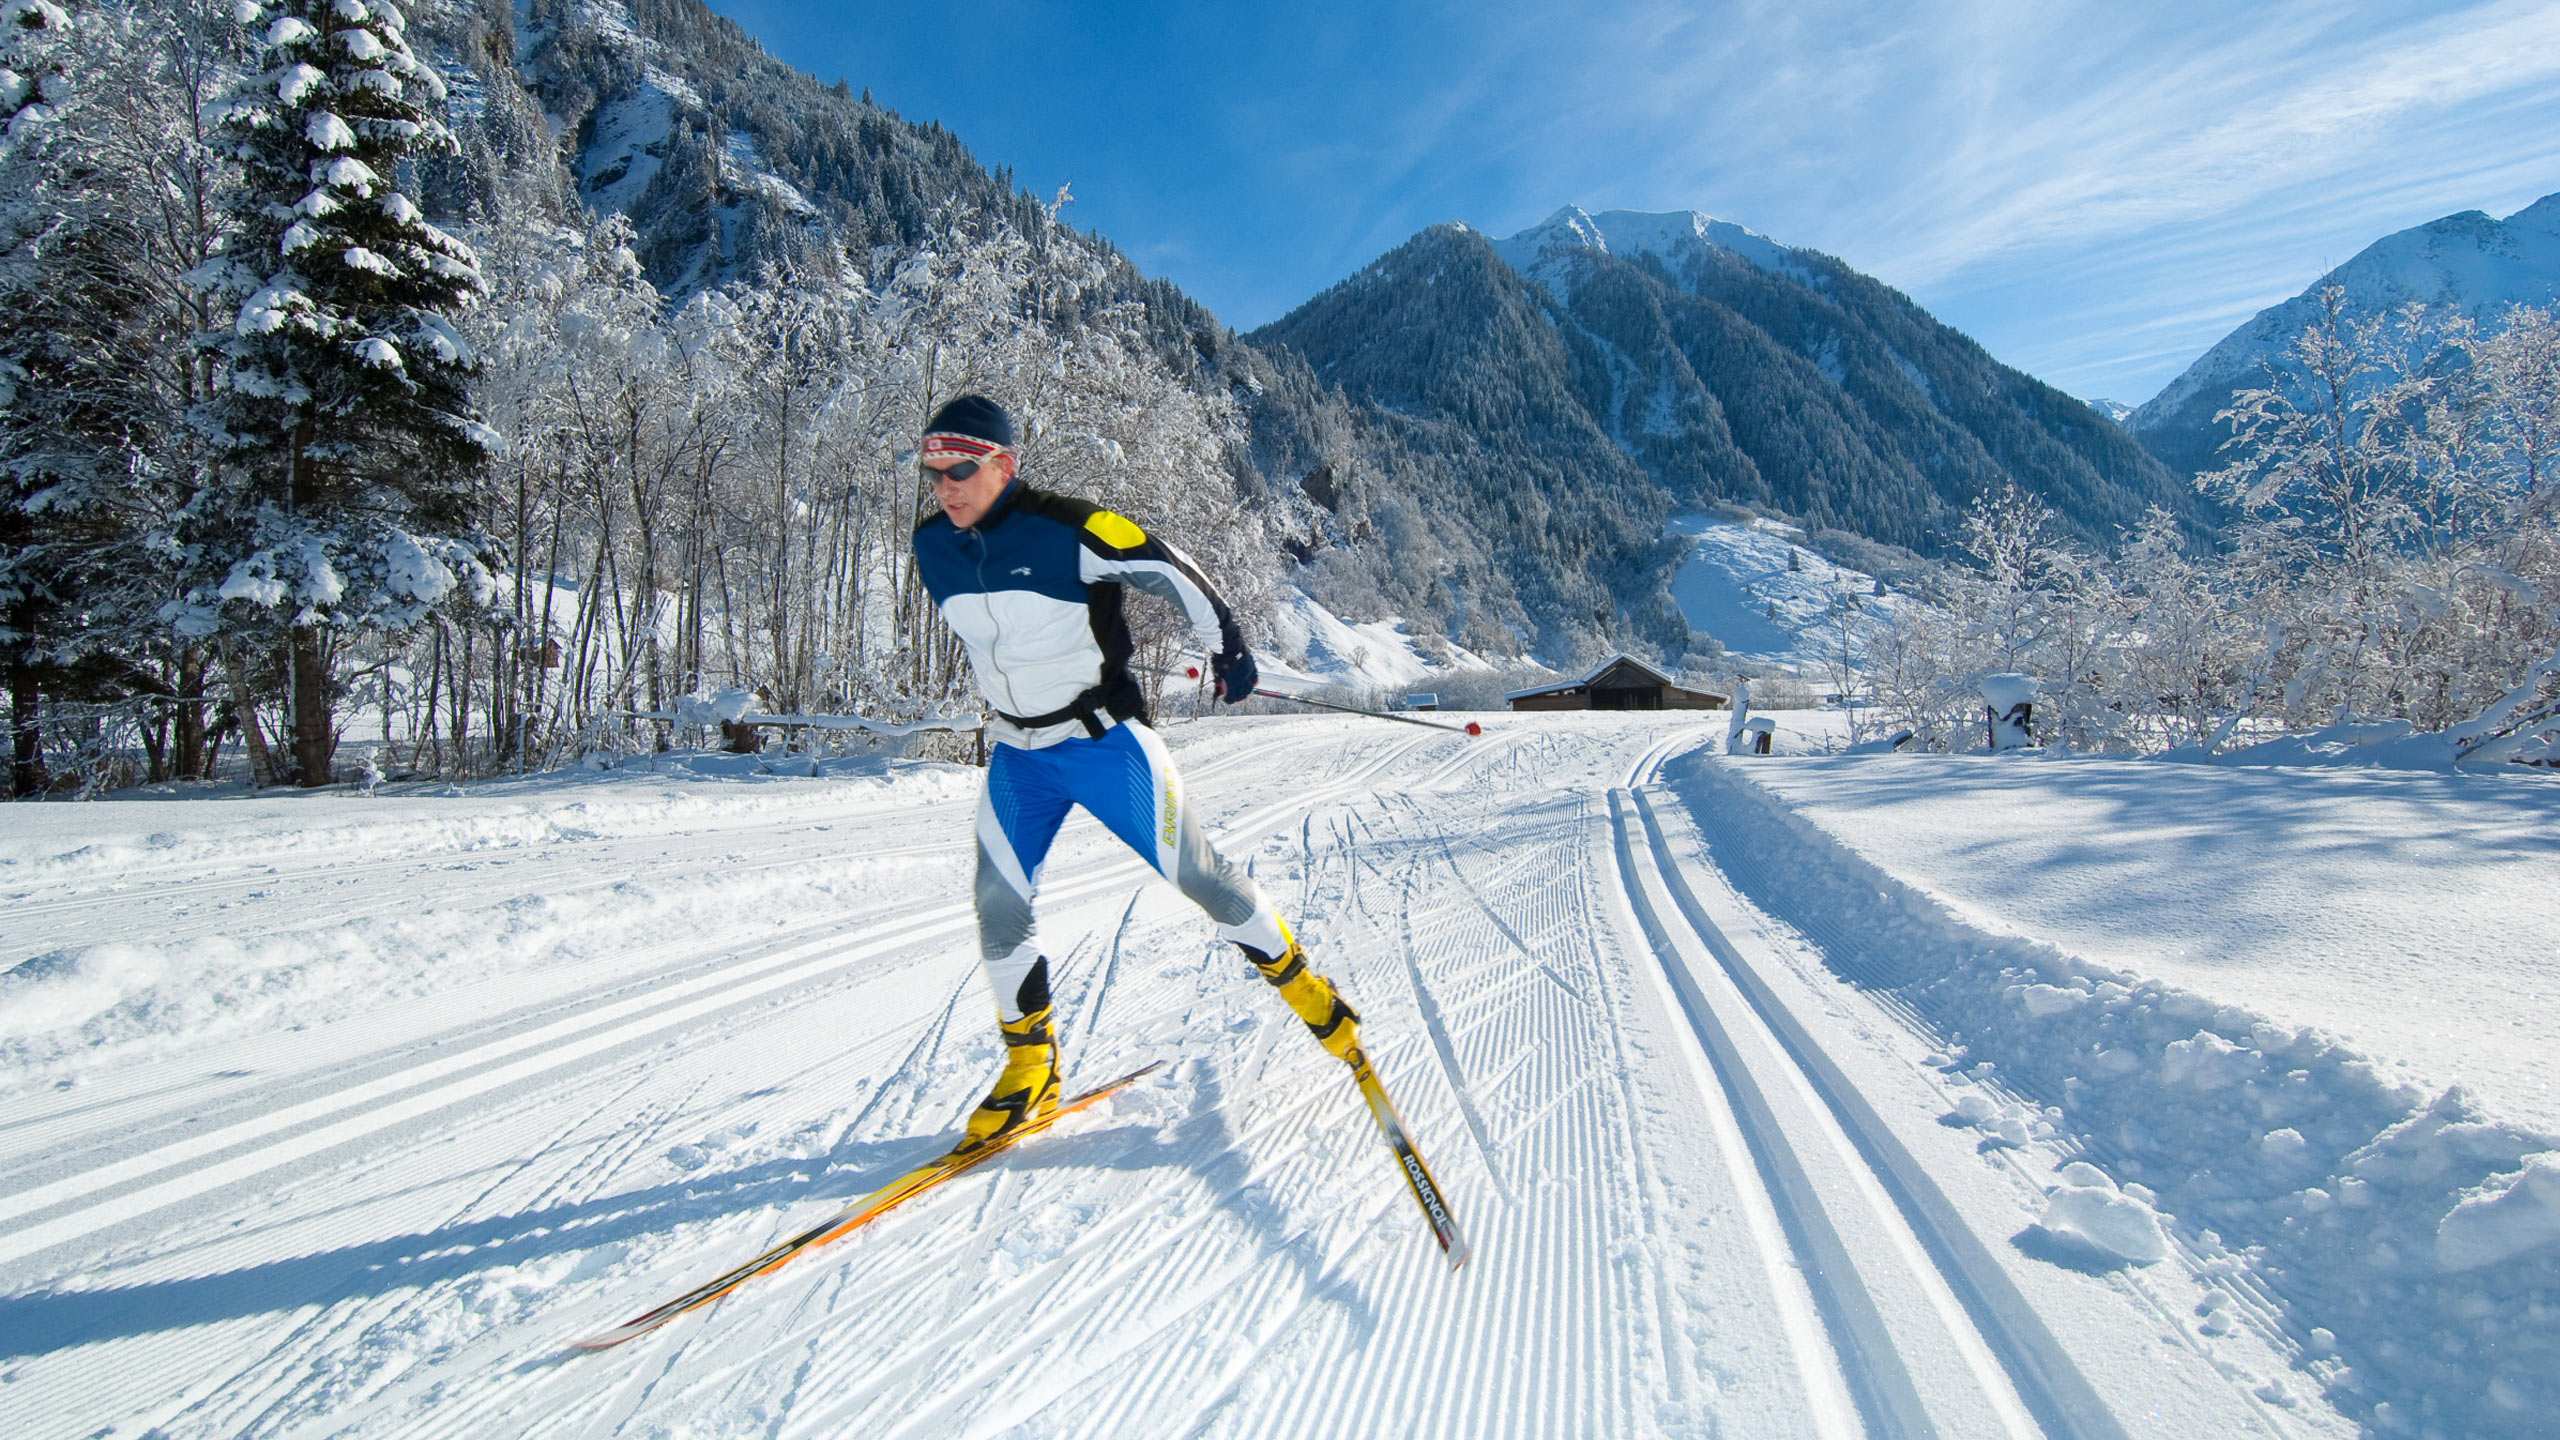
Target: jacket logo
(1021, 569)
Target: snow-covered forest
(288, 457)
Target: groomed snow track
(1686, 1219)
(1932, 1336)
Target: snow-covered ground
(328, 1115)
(1773, 603)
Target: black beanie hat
(975, 416)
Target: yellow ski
(853, 1217)
(1417, 1176)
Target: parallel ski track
(1153, 1314)
(1880, 979)
(234, 1154)
(1556, 1192)
(2032, 1364)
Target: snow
(1542, 251)
(326, 131)
(271, 309)
(2509, 1216)
(2005, 692)
(1319, 648)
(378, 352)
(628, 138)
(359, 45)
(1787, 1096)
(357, 257)
(714, 707)
(288, 30)
(2105, 1220)
(346, 173)
(35, 14)
(1738, 572)
(410, 573)
(2333, 900)
(2311, 1017)
(297, 82)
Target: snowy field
(1802, 1096)
(1769, 600)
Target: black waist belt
(1119, 699)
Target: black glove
(1236, 674)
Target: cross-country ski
(880, 1202)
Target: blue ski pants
(1126, 779)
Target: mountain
(1610, 369)
(2116, 411)
(2466, 263)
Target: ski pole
(1192, 672)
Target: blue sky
(2097, 193)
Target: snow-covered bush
(2396, 560)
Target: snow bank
(2413, 1240)
(2089, 1212)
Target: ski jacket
(1034, 591)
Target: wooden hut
(1621, 682)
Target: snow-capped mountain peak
(2470, 262)
(1671, 236)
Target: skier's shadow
(1203, 1142)
(44, 1322)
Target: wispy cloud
(2095, 191)
(2036, 172)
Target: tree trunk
(244, 709)
(189, 760)
(314, 738)
(26, 741)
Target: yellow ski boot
(1026, 1090)
(1333, 1022)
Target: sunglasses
(960, 471)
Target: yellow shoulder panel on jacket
(1115, 531)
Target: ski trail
(2016, 1364)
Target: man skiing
(1032, 582)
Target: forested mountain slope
(1716, 364)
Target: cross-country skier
(1032, 583)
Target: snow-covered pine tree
(73, 588)
(31, 85)
(349, 482)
